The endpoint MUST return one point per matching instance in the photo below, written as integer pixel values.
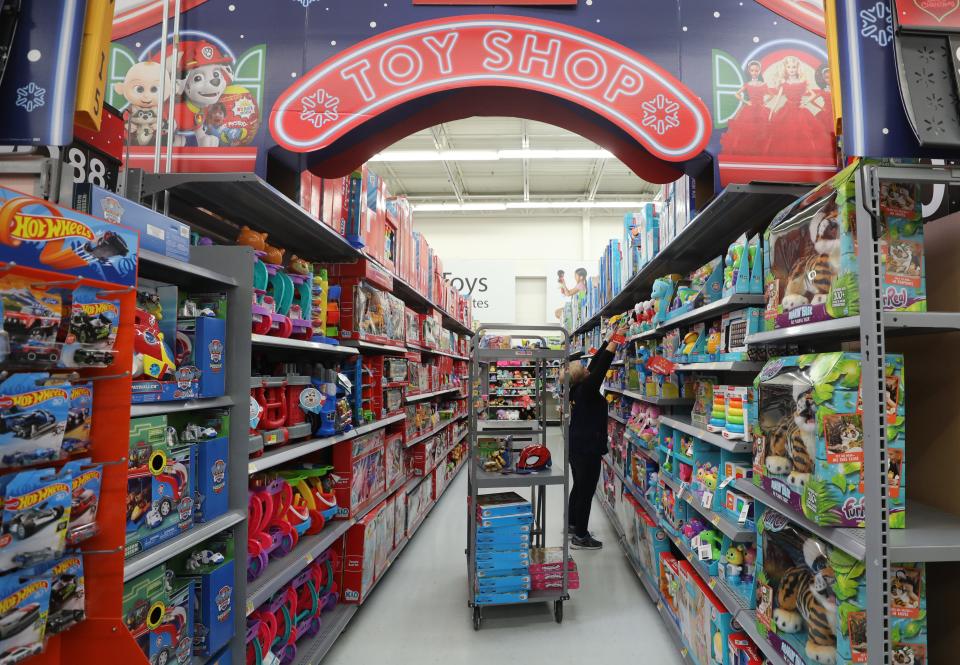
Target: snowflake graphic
(31, 97)
(877, 23)
(306, 3)
(320, 108)
(661, 114)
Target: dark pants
(586, 475)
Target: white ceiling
(504, 180)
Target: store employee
(588, 436)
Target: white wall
(534, 245)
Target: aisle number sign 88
(87, 165)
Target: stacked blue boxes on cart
(503, 548)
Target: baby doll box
(813, 400)
(699, 614)
(360, 470)
(399, 519)
(359, 557)
(810, 254)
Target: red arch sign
(384, 72)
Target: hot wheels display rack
(499, 577)
(930, 535)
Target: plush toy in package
(810, 254)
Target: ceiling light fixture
(487, 155)
(501, 206)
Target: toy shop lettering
(423, 58)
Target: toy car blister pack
(33, 417)
(85, 481)
(810, 254)
(31, 321)
(67, 591)
(24, 604)
(76, 437)
(92, 329)
(808, 445)
(35, 516)
(42, 235)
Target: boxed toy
(36, 513)
(359, 557)
(703, 618)
(360, 472)
(810, 254)
(808, 445)
(829, 624)
(85, 481)
(211, 569)
(399, 519)
(158, 233)
(24, 607)
(145, 599)
(34, 412)
(159, 485)
(202, 343)
(212, 474)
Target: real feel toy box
(360, 470)
(811, 599)
(808, 442)
(810, 254)
(359, 555)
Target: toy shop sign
(384, 72)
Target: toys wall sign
(383, 72)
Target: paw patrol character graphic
(205, 73)
(141, 89)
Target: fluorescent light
(486, 155)
(499, 206)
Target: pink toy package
(548, 560)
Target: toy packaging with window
(503, 558)
(85, 480)
(359, 558)
(76, 435)
(808, 444)
(210, 566)
(36, 513)
(360, 472)
(702, 616)
(208, 433)
(160, 499)
(67, 591)
(24, 611)
(811, 599)
(92, 331)
(34, 411)
(810, 254)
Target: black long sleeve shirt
(588, 409)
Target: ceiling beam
(398, 189)
(596, 178)
(454, 174)
(525, 145)
(541, 196)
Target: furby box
(50, 237)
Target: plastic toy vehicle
(30, 521)
(106, 246)
(62, 619)
(18, 620)
(21, 458)
(62, 590)
(26, 315)
(28, 425)
(202, 558)
(154, 516)
(76, 417)
(194, 433)
(151, 357)
(90, 328)
(83, 500)
(92, 357)
(16, 654)
(34, 351)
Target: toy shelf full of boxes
(508, 558)
(742, 464)
(357, 352)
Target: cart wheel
(477, 618)
(558, 610)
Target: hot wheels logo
(95, 308)
(48, 227)
(21, 594)
(80, 392)
(33, 498)
(65, 565)
(84, 479)
(25, 400)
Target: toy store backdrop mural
(762, 77)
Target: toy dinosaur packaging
(85, 481)
(36, 511)
(812, 598)
(42, 235)
(33, 416)
(808, 436)
(24, 605)
(810, 254)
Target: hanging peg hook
(116, 292)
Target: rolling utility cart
(501, 526)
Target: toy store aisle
(418, 615)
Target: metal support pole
(874, 426)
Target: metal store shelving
(684, 424)
(301, 345)
(661, 401)
(423, 396)
(738, 533)
(157, 408)
(895, 323)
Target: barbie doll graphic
(746, 131)
(795, 129)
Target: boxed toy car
(358, 560)
(209, 435)
(24, 607)
(92, 330)
(810, 254)
(36, 513)
(808, 443)
(811, 599)
(172, 640)
(160, 498)
(145, 599)
(51, 237)
(210, 567)
(360, 472)
(34, 410)
(158, 233)
(202, 343)
(157, 377)
(85, 480)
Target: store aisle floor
(418, 614)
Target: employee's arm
(604, 358)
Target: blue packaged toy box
(24, 607)
(211, 569)
(811, 271)
(33, 416)
(808, 436)
(50, 237)
(502, 504)
(36, 512)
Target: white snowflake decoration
(661, 114)
(306, 3)
(877, 23)
(31, 97)
(320, 108)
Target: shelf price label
(715, 520)
(742, 517)
(726, 481)
(705, 552)
(249, 606)
(706, 499)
